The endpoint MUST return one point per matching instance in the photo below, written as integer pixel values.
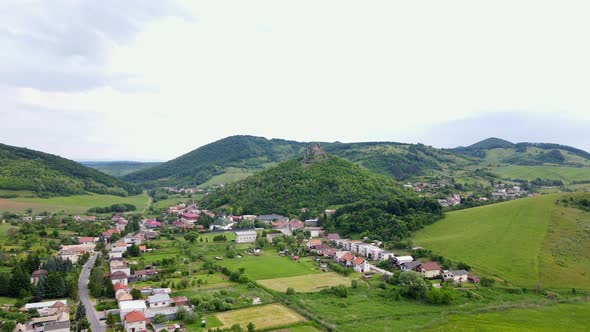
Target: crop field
(69, 204)
(565, 174)
(307, 283)
(270, 265)
(560, 317)
(261, 316)
(527, 242)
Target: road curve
(95, 324)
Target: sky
(152, 80)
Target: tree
(20, 283)
(487, 282)
(412, 284)
(251, 327)
(190, 237)
(8, 326)
(136, 293)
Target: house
(360, 265)
(126, 307)
(36, 275)
(57, 326)
(270, 237)
(42, 305)
(399, 260)
(39, 218)
(132, 240)
(246, 236)
(314, 231)
(279, 224)
(120, 277)
(473, 279)
(27, 218)
(429, 270)
(296, 224)
(347, 259)
(180, 301)
(87, 240)
(53, 316)
(123, 296)
(333, 237)
(190, 216)
(313, 243)
(108, 234)
(272, 217)
(119, 266)
(409, 266)
(458, 276)
(152, 223)
(135, 321)
(144, 274)
(159, 301)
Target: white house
(134, 321)
(159, 300)
(399, 260)
(458, 276)
(360, 265)
(246, 236)
(126, 307)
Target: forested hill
(251, 154)
(329, 182)
(200, 165)
(47, 174)
(526, 154)
(119, 168)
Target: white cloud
(323, 70)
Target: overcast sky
(151, 80)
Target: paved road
(95, 324)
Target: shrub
(290, 291)
(487, 282)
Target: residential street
(95, 324)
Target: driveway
(95, 324)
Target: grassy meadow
(560, 317)
(307, 283)
(68, 204)
(268, 316)
(563, 173)
(526, 242)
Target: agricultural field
(560, 317)
(263, 317)
(307, 283)
(270, 265)
(526, 242)
(563, 173)
(69, 204)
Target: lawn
(563, 173)
(270, 265)
(560, 317)
(69, 204)
(307, 283)
(263, 317)
(526, 242)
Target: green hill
(119, 168)
(245, 155)
(366, 201)
(526, 242)
(491, 143)
(47, 174)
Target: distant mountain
(249, 154)
(526, 154)
(119, 168)
(47, 174)
(491, 143)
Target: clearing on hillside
(527, 242)
(263, 317)
(307, 283)
(563, 173)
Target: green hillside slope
(526, 242)
(119, 168)
(47, 174)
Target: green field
(231, 174)
(69, 204)
(526, 242)
(270, 265)
(563, 173)
(262, 316)
(560, 317)
(307, 283)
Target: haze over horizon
(133, 81)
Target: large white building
(246, 236)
